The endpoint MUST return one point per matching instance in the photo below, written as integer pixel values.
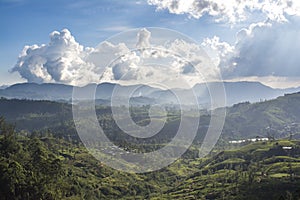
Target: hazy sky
(250, 40)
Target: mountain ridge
(236, 92)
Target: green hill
(43, 158)
(250, 120)
(243, 120)
(261, 170)
(50, 168)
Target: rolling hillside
(45, 167)
(250, 120)
(274, 118)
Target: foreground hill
(51, 168)
(262, 170)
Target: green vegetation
(51, 168)
(41, 156)
(266, 119)
(251, 120)
(45, 167)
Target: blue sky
(28, 22)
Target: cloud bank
(267, 49)
(64, 60)
(231, 11)
(262, 49)
(268, 46)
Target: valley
(43, 136)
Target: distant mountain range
(236, 92)
(4, 86)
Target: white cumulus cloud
(219, 51)
(231, 11)
(261, 50)
(268, 49)
(162, 63)
(63, 60)
(143, 38)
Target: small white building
(287, 148)
(248, 140)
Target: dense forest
(45, 167)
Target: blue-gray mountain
(235, 92)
